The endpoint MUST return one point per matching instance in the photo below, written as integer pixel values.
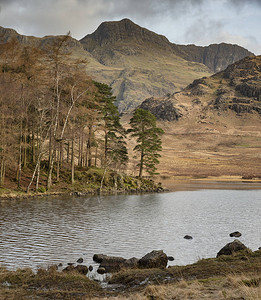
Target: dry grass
(229, 277)
(45, 284)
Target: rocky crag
(237, 88)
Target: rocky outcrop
(162, 108)
(154, 259)
(231, 248)
(216, 56)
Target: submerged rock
(231, 248)
(154, 259)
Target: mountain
(143, 62)
(149, 64)
(135, 62)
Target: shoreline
(190, 183)
(169, 184)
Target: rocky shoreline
(130, 276)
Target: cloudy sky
(199, 22)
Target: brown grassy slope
(219, 130)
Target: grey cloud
(182, 21)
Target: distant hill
(135, 62)
(237, 88)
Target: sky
(199, 22)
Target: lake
(40, 232)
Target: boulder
(235, 234)
(98, 258)
(80, 260)
(130, 263)
(188, 237)
(170, 258)
(154, 259)
(231, 248)
(115, 263)
(112, 263)
(90, 268)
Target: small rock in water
(170, 258)
(90, 268)
(235, 234)
(188, 237)
(60, 265)
(259, 248)
(70, 264)
(80, 260)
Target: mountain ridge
(215, 56)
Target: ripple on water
(36, 233)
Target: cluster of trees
(53, 116)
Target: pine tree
(114, 144)
(148, 135)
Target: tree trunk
(82, 154)
(2, 172)
(141, 163)
(33, 146)
(38, 176)
(72, 163)
(50, 165)
(89, 154)
(25, 150)
(96, 156)
(104, 173)
(19, 169)
(106, 146)
(68, 152)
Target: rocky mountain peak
(122, 31)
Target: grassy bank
(87, 181)
(227, 277)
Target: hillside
(213, 126)
(135, 62)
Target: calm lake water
(42, 232)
